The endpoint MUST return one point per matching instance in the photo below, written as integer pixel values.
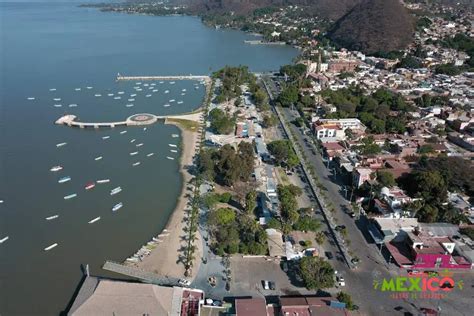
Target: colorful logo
(419, 285)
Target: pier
(134, 120)
(144, 276)
(178, 77)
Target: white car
(266, 285)
(340, 281)
(184, 282)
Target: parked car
(340, 281)
(272, 285)
(265, 285)
(329, 255)
(340, 227)
(284, 266)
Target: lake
(67, 59)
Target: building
(342, 65)
(360, 175)
(311, 306)
(333, 130)
(391, 202)
(250, 307)
(113, 297)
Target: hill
(374, 25)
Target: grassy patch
(186, 124)
(283, 176)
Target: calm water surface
(59, 46)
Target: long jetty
(145, 276)
(178, 77)
(134, 120)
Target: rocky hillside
(333, 9)
(374, 25)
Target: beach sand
(164, 259)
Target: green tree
(320, 238)
(345, 298)
(306, 223)
(316, 273)
(283, 153)
(269, 120)
(385, 178)
(288, 96)
(250, 201)
(222, 216)
(221, 123)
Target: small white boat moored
(4, 239)
(170, 158)
(64, 179)
(30, 98)
(97, 95)
(56, 168)
(92, 221)
(150, 154)
(172, 145)
(70, 196)
(50, 247)
(117, 207)
(139, 145)
(49, 218)
(115, 190)
(136, 163)
(105, 137)
(123, 132)
(61, 144)
(98, 158)
(57, 99)
(134, 153)
(103, 181)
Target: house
(311, 306)
(99, 296)
(342, 65)
(250, 307)
(391, 202)
(332, 149)
(360, 175)
(334, 129)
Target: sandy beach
(164, 259)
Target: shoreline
(163, 259)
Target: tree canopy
(316, 273)
(221, 123)
(283, 153)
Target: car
(340, 281)
(355, 260)
(265, 285)
(329, 255)
(340, 227)
(184, 282)
(272, 285)
(217, 303)
(284, 266)
(352, 214)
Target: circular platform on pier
(142, 119)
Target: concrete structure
(334, 129)
(360, 175)
(178, 77)
(112, 297)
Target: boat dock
(144, 276)
(178, 77)
(134, 120)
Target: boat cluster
(145, 250)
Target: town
(315, 183)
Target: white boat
(172, 145)
(134, 153)
(172, 82)
(148, 95)
(103, 181)
(61, 144)
(50, 247)
(115, 190)
(70, 196)
(175, 135)
(173, 150)
(166, 105)
(52, 217)
(92, 221)
(64, 179)
(183, 93)
(117, 98)
(73, 105)
(56, 168)
(131, 100)
(154, 90)
(117, 207)
(133, 95)
(58, 105)
(120, 92)
(180, 102)
(133, 140)
(136, 163)
(4, 239)
(30, 98)
(197, 87)
(139, 145)
(110, 94)
(123, 132)
(172, 100)
(161, 82)
(52, 89)
(145, 84)
(88, 88)
(144, 128)
(150, 154)
(78, 89)
(1, 201)
(138, 83)
(97, 95)
(184, 90)
(105, 137)
(170, 158)
(57, 99)
(153, 84)
(167, 91)
(98, 158)
(129, 105)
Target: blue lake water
(57, 45)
